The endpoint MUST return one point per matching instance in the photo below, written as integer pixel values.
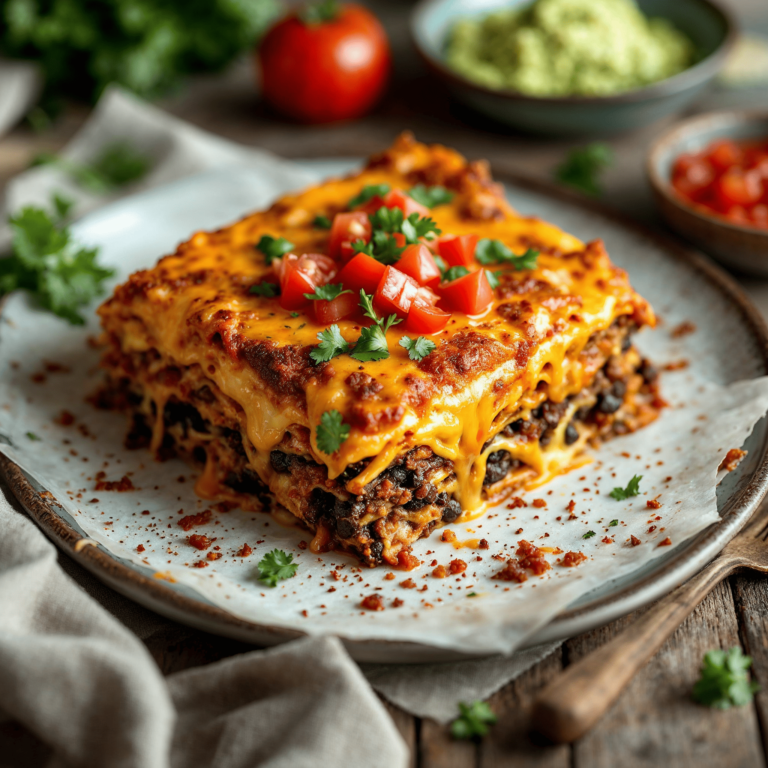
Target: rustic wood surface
(653, 723)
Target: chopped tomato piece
(300, 275)
(471, 294)
(426, 297)
(691, 179)
(396, 198)
(458, 251)
(424, 319)
(343, 306)
(738, 188)
(293, 288)
(361, 271)
(346, 228)
(417, 262)
(723, 154)
(395, 292)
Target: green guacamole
(568, 48)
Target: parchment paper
(678, 457)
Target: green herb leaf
(273, 247)
(295, 314)
(632, 489)
(62, 276)
(431, 196)
(582, 167)
(419, 348)
(416, 227)
(33, 436)
(385, 248)
(372, 345)
(474, 720)
(62, 205)
(276, 566)
(322, 222)
(387, 219)
(493, 278)
(723, 680)
(472, 594)
(331, 432)
(495, 252)
(441, 265)
(332, 344)
(327, 292)
(268, 290)
(366, 304)
(318, 12)
(368, 193)
(588, 535)
(454, 273)
(613, 523)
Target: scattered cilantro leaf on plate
(276, 566)
(474, 720)
(588, 535)
(613, 523)
(268, 290)
(367, 193)
(331, 432)
(273, 247)
(332, 344)
(327, 292)
(33, 436)
(632, 489)
(582, 167)
(431, 196)
(495, 252)
(418, 348)
(723, 681)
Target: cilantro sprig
(415, 227)
(490, 252)
(327, 292)
(383, 247)
(331, 432)
(368, 192)
(273, 247)
(632, 489)
(276, 566)
(431, 197)
(268, 290)
(474, 721)
(582, 167)
(61, 275)
(332, 344)
(418, 348)
(454, 273)
(723, 681)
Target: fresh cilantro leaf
(319, 12)
(632, 489)
(273, 247)
(385, 247)
(723, 680)
(582, 167)
(360, 246)
(62, 205)
(472, 594)
(332, 344)
(474, 720)
(495, 252)
(588, 535)
(416, 227)
(387, 219)
(419, 348)
(368, 193)
(331, 432)
(62, 276)
(276, 566)
(366, 304)
(33, 436)
(327, 292)
(493, 278)
(390, 321)
(613, 523)
(268, 290)
(454, 273)
(322, 222)
(431, 196)
(372, 345)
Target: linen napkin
(179, 149)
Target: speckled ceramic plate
(215, 198)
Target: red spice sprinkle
(244, 551)
(448, 536)
(516, 502)
(683, 329)
(732, 459)
(572, 559)
(440, 572)
(634, 541)
(389, 576)
(335, 575)
(213, 555)
(121, 486)
(65, 419)
(200, 564)
(539, 503)
(145, 512)
(666, 543)
(191, 521)
(483, 544)
(397, 602)
(651, 529)
(653, 504)
(457, 566)
(140, 548)
(571, 506)
(303, 544)
(199, 542)
(372, 603)
(518, 531)
(607, 540)
(408, 584)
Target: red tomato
(471, 294)
(346, 228)
(426, 297)
(417, 262)
(723, 154)
(362, 271)
(395, 292)
(327, 312)
(692, 179)
(424, 319)
(327, 70)
(396, 198)
(458, 251)
(738, 188)
(300, 275)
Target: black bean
(452, 511)
(608, 403)
(571, 434)
(648, 372)
(619, 389)
(376, 549)
(280, 461)
(626, 343)
(345, 528)
(497, 467)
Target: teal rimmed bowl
(706, 23)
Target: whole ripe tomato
(324, 63)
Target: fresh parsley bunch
(145, 46)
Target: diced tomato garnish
(346, 228)
(302, 274)
(417, 262)
(426, 297)
(396, 198)
(343, 306)
(361, 271)
(425, 319)
(395, 292)
(458, 251)
(723, 154)
(736, 187)
(691, 179)
(471, 294)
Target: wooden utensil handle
(574, 701)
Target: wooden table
(654, 724)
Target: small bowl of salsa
(710, 179)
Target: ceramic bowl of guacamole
(573, 67)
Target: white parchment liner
(687, 444)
